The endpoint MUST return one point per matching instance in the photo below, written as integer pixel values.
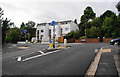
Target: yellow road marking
(22, 47)
(106, 50)
(61, 47)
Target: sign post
(53, 24)
(25, 31)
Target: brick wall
(71, 40)
(106, 40)
(60, 39)
(89, 40)
(92, 40)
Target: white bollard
(65, 41)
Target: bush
(83, 37)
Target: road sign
(51, 44)
(53, 23)
(25, 31)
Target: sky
(41, 11)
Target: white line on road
(40, 55)
(41, 52)
(28, 54)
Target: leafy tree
(1, 12)
(13, 36)
(76, 34)
(88, 14)
(73, 34)
(111, 26)
(30, 24)
(107, 26)
(97, 22)
(93, 32)
(75, 21)
(31, 31)
(5, 26)
(118, 6)
(22, 26)
(107, 13)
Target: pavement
(107, 66)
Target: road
(72, 61)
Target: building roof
(42, 24)
(62, 22)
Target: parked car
(115, 41)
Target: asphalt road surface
(71, 61)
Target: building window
(41, 37)
(37, 31)
(49, 31)
(42, 30)
(61, 30)
(66, 29)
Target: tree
(1, 12)
(118, 6)
(97, 22)
(88, 14)
(107, 13)
(31, 31)
(22, 25)
(13, 36)
(5, 26)
(110, 26)
(93, 32)
(75, 21)
(73, 34)
(30, 24)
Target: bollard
(51, 44)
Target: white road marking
(41, 52)
(67, 47)
(40, 55)
(27, 54)
(19, 58)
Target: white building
(44, 31)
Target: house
(44, 31)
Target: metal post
(25, 37)
(53, 36)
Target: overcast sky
(41, 11)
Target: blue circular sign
(53, 23)
(50, 41)
(25, 31)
